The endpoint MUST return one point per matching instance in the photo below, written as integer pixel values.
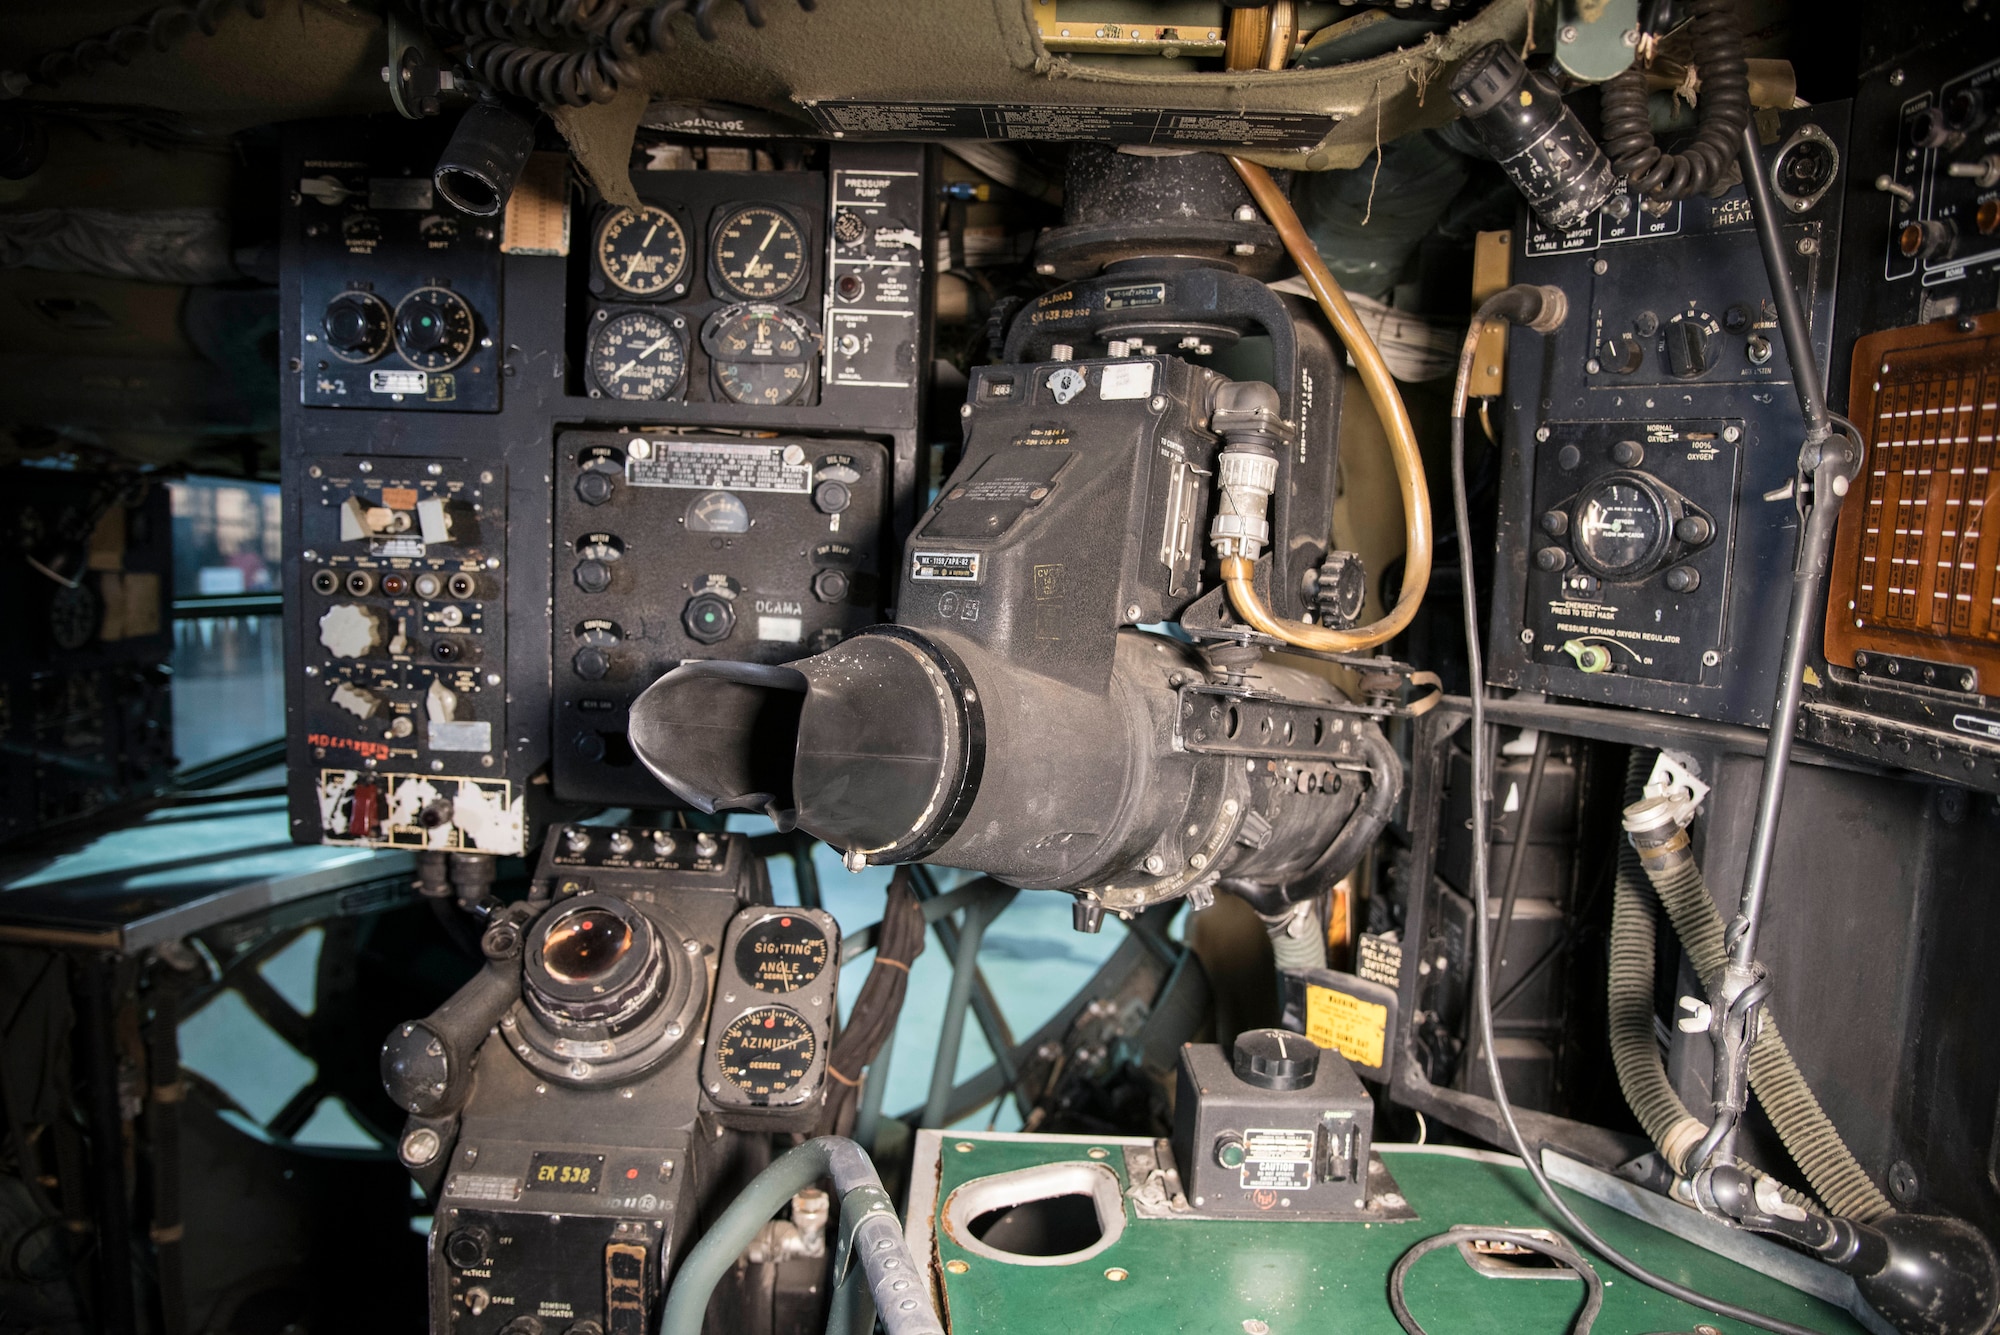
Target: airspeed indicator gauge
(643, 252)
(636, 356)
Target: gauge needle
(626, 369)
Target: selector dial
(1690, 343)
(435, 330)
(349, 630)
(356, 325)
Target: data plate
(720, 466)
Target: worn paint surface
(1332, 1279)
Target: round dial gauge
(782, 953)
(1621, 527)
(763, 354)
(766, 1052)
(643, 251)
(718, 512)
(434, 329)
(637, 355)
(759, 253)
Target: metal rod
(97, 1016)
(1815, 542)
(1517, 855)
(874, 1085)
(956, 1003)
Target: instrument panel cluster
(705, 292)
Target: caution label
(1356, 1029)
(1277, 1158)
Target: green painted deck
(1332, 1278)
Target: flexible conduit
(1809, 1135)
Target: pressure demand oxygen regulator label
(1277, 1159)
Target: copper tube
(1388, 401)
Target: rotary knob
(349, 630)
(1688, 346)
(356, 325)
(1275, 1059)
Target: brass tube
(1388, 401)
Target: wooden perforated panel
(1916, 570)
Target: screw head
(1527, 636)
(1710, 658)
(965, 410)
(1155, 864)
(1541, 433)
(1600, 267)
(1732, 434)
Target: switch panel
(1646, 523)
(673, 547)
(402, 649)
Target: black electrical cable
(1482, 989)
(1716, 53)
(898, 943)
(566, 53)
(1559, 1251)
(155, 31)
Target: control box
(1276, 1127)
(1646, 522)
(399, 292)
(677, 546)
(538, 1221)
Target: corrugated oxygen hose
(1809, 1135)
(1635, 1051)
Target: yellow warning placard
(1354, 1028)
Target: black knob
(1693, 529)
(1568, 457)
(1687, 349)
(357, 324)
(1275, 1059)
(1555, 523)
(1932, 129)
(420, 328)
(1551, 559)
(594, 488)
(830, 586)
(469, 1246)
(1645, 324)
(848, 229)
(589, 745)
(1736, 319)
(830, 498)
(523, 1325)
(1683, 579)
(1622, 355)
(709, 618)
(1628, 454)
(591, 663)
(593, 576)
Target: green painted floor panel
(1221, 1278)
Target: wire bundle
(569, 52)
(899, 940)
(155, 31)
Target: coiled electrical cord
(569, 52)
(1717, 55)
(155, 31)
